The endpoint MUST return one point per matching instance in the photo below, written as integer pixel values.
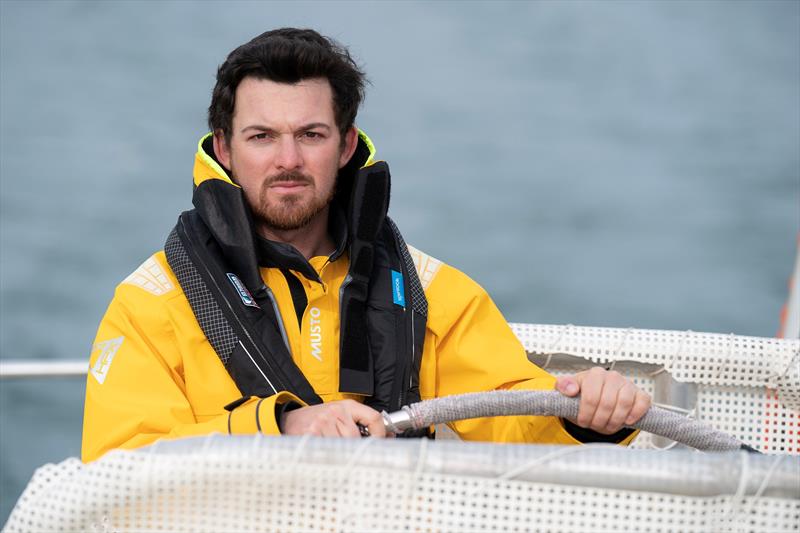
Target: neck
(311, 240)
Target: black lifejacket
(213, 252)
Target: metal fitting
(398, 421)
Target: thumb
(568, 385)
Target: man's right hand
(334, 419)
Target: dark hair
(288, 55)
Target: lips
(288, 185)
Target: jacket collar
(273, 254)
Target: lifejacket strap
(419, 302)
(206, 310)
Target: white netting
(746, 386)
(222, 483)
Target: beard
(291, 211)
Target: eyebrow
(305, 127)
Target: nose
(289, 156)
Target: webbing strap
(419, 302)
(206, 309)
(246, 338)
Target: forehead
(281, 105)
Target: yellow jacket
(153, 373)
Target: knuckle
(626, 401)
(590, 402)
(603, 413)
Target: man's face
(285, 150)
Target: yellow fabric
(164, 379)
(205, 168)
(259, 412)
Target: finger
(606, 405)
(591, 391)
(347, 428)
(345, 423)
(568, 386)
(369, 417)
(324, 427)
(640, 406)
(626, 396)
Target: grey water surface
(597, 163)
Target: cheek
(329, 182)
(246, 166)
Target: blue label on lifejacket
(398, 291)
(244, 294)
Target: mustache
(289, 177)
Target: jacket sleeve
(474, 349)
(135, 390)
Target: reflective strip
(371, 159)
(271, 386)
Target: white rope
(735, 504)
(764, 484)
(512, 473)
(680, 410)
(422, 459)
(349, 467)
(724, 364)
(297, 456)
(358, 452)
(618, 351)
(552, 349)
(663, 448)
(771, 472)
(773, 379)
(668, 366)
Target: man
(288, 302)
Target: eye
(259, 136)
(313, 135)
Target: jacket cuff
(281, 409)
(258, 415)
(586, 436)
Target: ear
(350, 143)
(221, 149)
